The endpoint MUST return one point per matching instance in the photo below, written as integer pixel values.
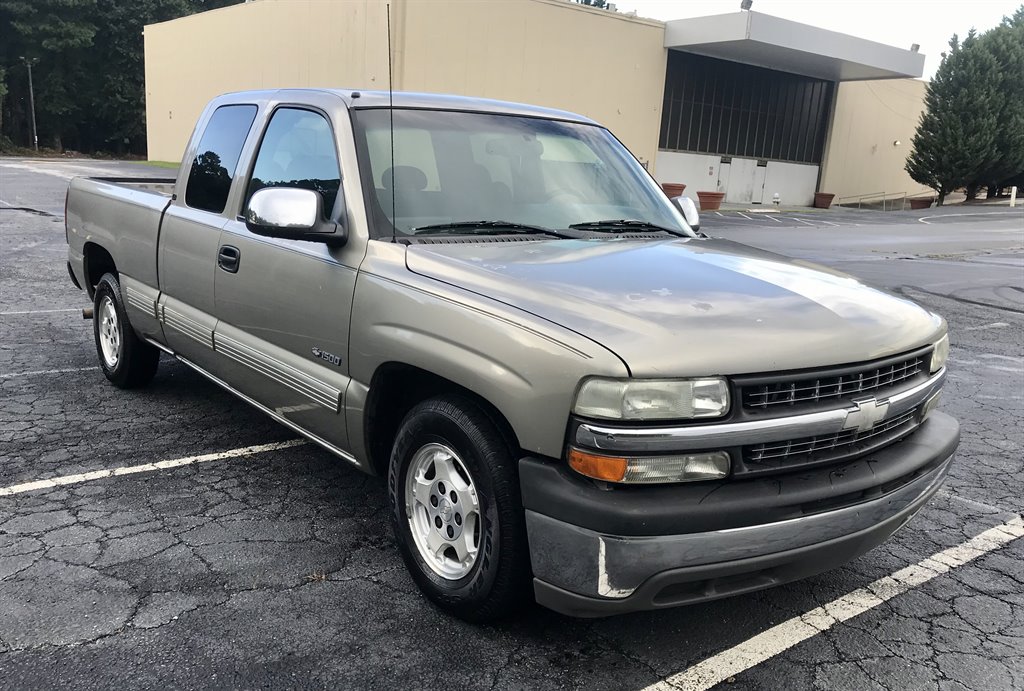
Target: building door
(724, 172)
(760, 173)
(741, 181)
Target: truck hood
(687, 307)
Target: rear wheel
(456, 510)
(126, 360)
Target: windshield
(454, 169)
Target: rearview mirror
(689, 211)
(292, 213)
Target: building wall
(545, 52)
(741, 180)
(257, 45)
(860, 157)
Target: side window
(219, 149)
(298, 151)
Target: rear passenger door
(190, 235)
(284, 305)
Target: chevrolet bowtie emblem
(869, 412)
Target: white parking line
(70, 309)
(993, 325)
(801, 221)
(784, 636)
(146, 467)
(47, 371)
(988, 508)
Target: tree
(1006, 45)
(599, 4)
(956, 137)
(89, 74)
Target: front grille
(816, 387)
(825, 448)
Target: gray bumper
(584, 572)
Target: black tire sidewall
(137, 360)
(108, 286)
(484, 455)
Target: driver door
(283, 306)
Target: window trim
(241, 150)
(269, 117)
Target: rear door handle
(228, 258)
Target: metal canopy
(780, 44)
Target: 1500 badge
(329, 357)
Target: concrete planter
(673, 189)
(921, 202)
(710, 201)
(823, 200)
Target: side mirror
(292, 213)
(689, 211)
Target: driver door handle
(228, 258)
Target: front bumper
(598, 552)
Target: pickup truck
(572, 392)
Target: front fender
(525, 367)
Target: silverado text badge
(324, 355)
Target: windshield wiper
(489, 228)
(625, 224)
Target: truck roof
(360, 98)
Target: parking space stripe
(801, 221)
(766, 645)
(147, 467)
(47, 371)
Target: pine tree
(1006, 45)
(956, 138)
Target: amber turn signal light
(607, 468)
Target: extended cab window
(214, 164)
(298, 151)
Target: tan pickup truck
(494, 306)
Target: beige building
(744, 103)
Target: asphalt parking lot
(175, 537)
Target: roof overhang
(759, 39)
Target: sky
(898, 23)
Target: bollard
(1013, 196)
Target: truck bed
(120, 214)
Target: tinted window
(219, 149)
(298, 151)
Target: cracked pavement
(278, 568)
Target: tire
(446, 434)
(126, 360)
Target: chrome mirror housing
(689, 211)
(292, 213)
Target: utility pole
(32, 101)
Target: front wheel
(126, 360)
(456, 510)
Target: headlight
(940, 354)
(652, 399)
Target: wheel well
(97, 262)
(394, 390)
